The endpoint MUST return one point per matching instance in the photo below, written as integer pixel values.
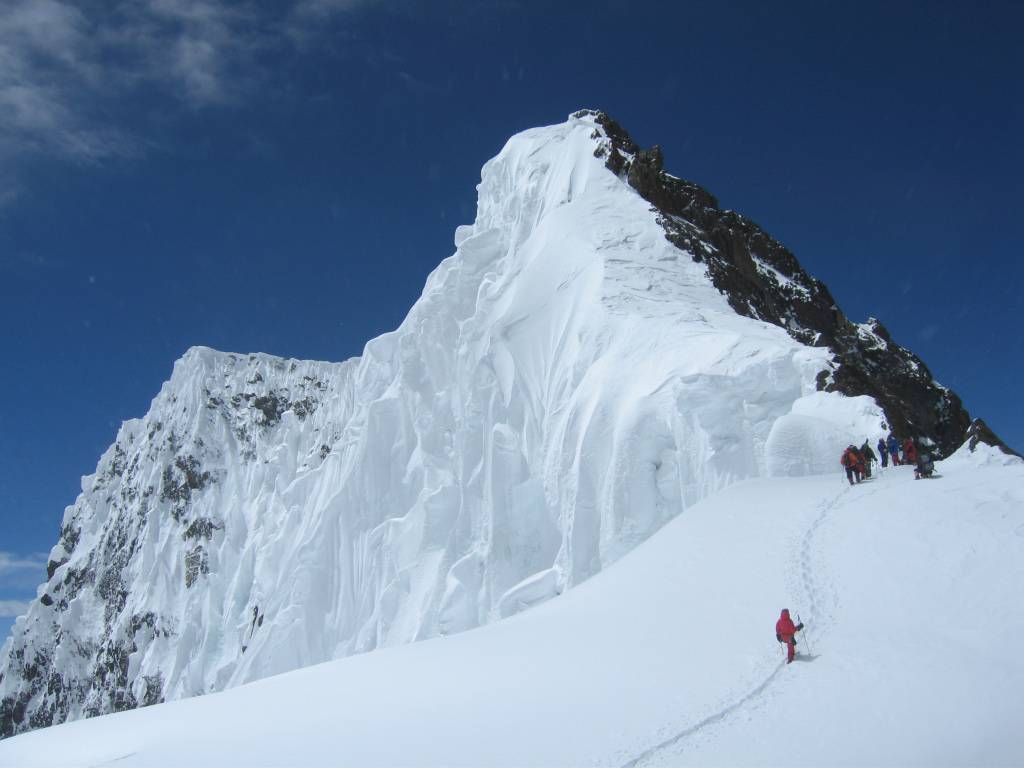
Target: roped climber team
(857, 461)
(894, 449)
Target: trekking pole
(800, 621)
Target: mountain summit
(763, 280)
(605, 348)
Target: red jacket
(910, 450)
(784, 627)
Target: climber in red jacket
(785, 632)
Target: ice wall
(811, 438)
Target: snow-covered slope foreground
(910, 590)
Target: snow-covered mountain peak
(521, 197)
(604, 349)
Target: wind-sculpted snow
(568, 382)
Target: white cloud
(49, 64)
(46, 27)
(11, 562)
(66, 67)
(12, 608)
(200, 49)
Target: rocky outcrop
(762, 279)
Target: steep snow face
(166, 550)
(567, 383)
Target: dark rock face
(763, 280)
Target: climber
(785, 632)
(894, 449)
(883, 451)
(869, 456)
(909, 451)
(925, 466)
(851, 461)
(861, 462)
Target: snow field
(909, 589)
(916, 619)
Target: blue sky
(282, 177)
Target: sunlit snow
(909, 590)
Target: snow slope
(568, 382)
(910, 590)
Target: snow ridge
(762, 279)
(568, 382)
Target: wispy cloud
(20, 574)
(201, 51)
(12, 562)
(66, 68)
(9, 609)
(49, 61)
